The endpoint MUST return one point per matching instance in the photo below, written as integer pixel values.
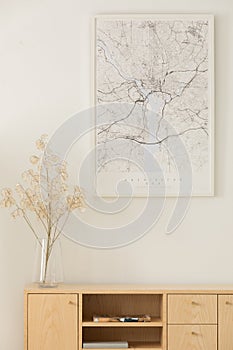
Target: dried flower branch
(44, 196)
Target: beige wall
(44, 79)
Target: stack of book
(135, 318)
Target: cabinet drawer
(192, 309)
(192, 337)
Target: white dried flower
(7, 202)
(6, 192)
(44, 194)
(17, 213)
(40, 144)
(34, 159)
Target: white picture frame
(202, 182)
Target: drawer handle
(228, 303)
(71, 303)
(194, 303)
(194, 333)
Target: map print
(152, 89)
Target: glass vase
(48, 269)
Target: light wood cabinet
(52, 322)
(182, 318)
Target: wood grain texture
(52, 322)
(136, 288)
(154, 323)
(164, 318)
(192, 337)
(192, 309)
(225, 322)
(145, 345)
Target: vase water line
(48, 269)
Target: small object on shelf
(105, 318)
(105, 345)
(144, 318)
(135, 318)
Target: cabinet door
(225, 320)
(52, 322)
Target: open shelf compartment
(122, 305)
(137, 338)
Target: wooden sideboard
(183, 317)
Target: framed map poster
(154, 98)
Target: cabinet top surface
(133, 288)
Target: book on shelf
(126, 318)
(105, 345)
